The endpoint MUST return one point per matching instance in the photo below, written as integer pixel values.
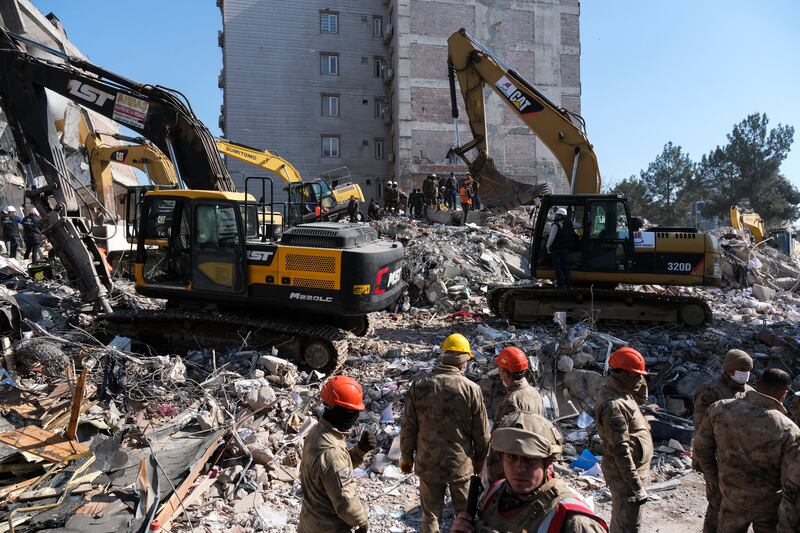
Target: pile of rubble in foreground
(98, 434)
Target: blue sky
(683, 71)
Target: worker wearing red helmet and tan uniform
(626, 438)
(330, 500)
(520, 397)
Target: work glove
(477, 466)
(368, 441)
(406, 467)
(639, 498)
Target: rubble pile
(746, 264)
(452, 267)
(104, 434)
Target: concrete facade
(273, 82)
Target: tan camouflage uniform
(444, 429)
(745, 447)
(628, 451)
(531, 514)
(722, 388)
(330, 500)
(789, 508)
(520, 397)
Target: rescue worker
(789, 508)
(476, 199)
(465, 193)
(32, 236)
(445, 432)
(429, 192)
(330, 500)
(520, 397)
(373, 211)
(451, 191)
(531, 497)
(626, 438)
(559, 242)
(415, 203)
(746, 447)
(9, 223)
(731, 383)
(352, 209)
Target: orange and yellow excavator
(609, 246)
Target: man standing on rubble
(746, 446)
(731, 383)
(520, 397)
(32, 235)
(465, 194)
(626, 438)
(9, 223)
(330, 501)
(531, 497)
(445, 433)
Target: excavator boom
(260, 158)
(476, 66)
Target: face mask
(740, 377)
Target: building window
(377, 26)
(330, 64)
(330, 105)
(329, 22)
(378, 148)
(378, 67)
(381, 107)
(330, 147)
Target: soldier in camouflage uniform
(445, 432)
(731, 383)
(530, 498)
(626, 439)
(746, 447)
(520, 397)
(330, 501)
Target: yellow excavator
(782, 239)
(309, 200)
(225, 280)
(610, 246)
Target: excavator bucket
(500, 193)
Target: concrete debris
(228, 425)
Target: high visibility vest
(466, 195)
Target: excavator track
(320, 347)
(525, 305)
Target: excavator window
(610, 245)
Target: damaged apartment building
(358, 90)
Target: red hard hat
(512, 359)
(628, 359)
(343, 391)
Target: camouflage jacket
(535, 512)
(789, 508)
(625, 434)
(722, 388)
(520, 397)
(444, 426)
(330, 501)
(746, 447)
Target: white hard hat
(561, 211)
(11, 209)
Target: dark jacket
(565, 238)
(32, 227)
(10, 225)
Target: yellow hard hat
(457, 343)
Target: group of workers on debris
(31, 235)
(745, 445)
(438, 193)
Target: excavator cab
(603, 239)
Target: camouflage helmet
(527, 434)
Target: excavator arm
(152, 111)
(476, 66)
(750, 221)
(260, 158)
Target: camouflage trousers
(626, 517)
(712, 511)
(431, 496)
(740, 521)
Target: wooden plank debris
(45, 444)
